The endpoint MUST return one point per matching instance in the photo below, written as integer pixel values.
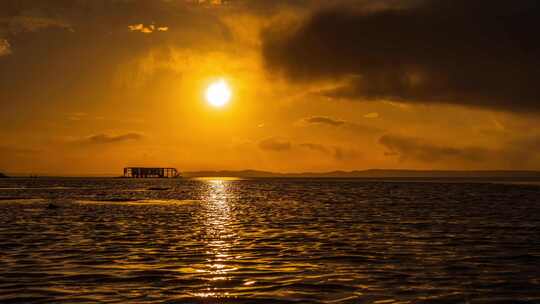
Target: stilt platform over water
(144, 172)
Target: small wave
(133, 201)
(158, 189)
(40, 188)
(21, 200)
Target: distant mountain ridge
(372, 173)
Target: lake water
(268, 241)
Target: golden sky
(91, 86)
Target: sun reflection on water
(220, 235)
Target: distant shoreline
(372, 173)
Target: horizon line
(197, 173)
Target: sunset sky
(92, 86)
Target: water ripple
(268, 241)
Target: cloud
(12, 25)
(324, 120)
(147, 29)
(78, 116)
(521, 152)
(100, 139)
(280, 145)
(338, 153)
(5, 48)
(273, 7)
(342, 154)
(275, 144)
(372, 115)
(315, 147)
(31, 23)
(407, 148)
(210, 2)
(482, 53)
(339, 123)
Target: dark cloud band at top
(474, 53)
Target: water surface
(268, 241)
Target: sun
(218, 93)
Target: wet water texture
(268, 241)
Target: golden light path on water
(218, 221)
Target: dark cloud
(339, 123)
(324, 120)
(315, 147)
(417, 149)
(281, 145)
(276, 6)
(100, 139)
(275, 144)
(521, 153)
(344, 154)
(338, 153)
(482, 53)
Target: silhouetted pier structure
(142, 172)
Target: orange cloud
(147, 29)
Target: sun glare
(218, 93)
